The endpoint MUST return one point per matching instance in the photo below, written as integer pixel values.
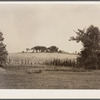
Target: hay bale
(33, 71)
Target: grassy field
(49, 78)
(39, 76)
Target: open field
(39, 76)
(49, 78)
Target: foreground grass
(50, 77)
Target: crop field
(36, 58)
(30, 73)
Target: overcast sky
(27, 25)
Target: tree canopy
(3, 51)
(53, 49)
(90, 53)
(50, 49)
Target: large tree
(3, 51)
(39, 49)
(43, 49)
(36, 48)
(90, 53)
(53, 49)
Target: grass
(49, 78)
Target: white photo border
(50, 93)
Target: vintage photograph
(49, 46)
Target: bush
(89, 63)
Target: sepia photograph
(49, 45)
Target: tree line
(51, 49)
